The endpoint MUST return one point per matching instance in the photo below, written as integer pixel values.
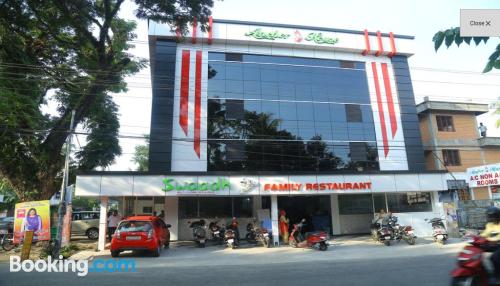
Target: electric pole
(64, 185)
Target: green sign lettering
(261, 35)
(318, 38)
(170, 184)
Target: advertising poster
(33, 216)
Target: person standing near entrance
(284, 225)
(113, 221)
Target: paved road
(345, 263)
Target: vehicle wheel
(293, 243)
(265, 242)
(7, 243)
(465, 281)
(233, 246)
(93, 233)
(166, 245)
(323, 246)
(157, 252)
(115, 253)
(411, 241)
(202, 245)
(387, 242)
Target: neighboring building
(250, 118)
(452, 142)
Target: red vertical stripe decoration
(184, 100)
(393, 45)
(380, 109)
(390, 100)
(380, 45)
(210, 30)
(194, 31)
(367, 44)
(197, 103)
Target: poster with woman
(33, 216)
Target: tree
(450, 36)
(141, 156)
(10, 198)
(74, 53)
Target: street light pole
(64, 185)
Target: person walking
(482, 129)
(283, 226)
(113, 221)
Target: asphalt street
(345, 263)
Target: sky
(452, 74)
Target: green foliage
(10, 198)
(75, 54)
(452, 35)
(84, 203)
(141, 156)
(66, 251)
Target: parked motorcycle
(315, 240)
(199, 232)
(258, 234)
(402, 232)
(439, 232)
(230, 238)
(217, 231)
(470, 269)
(231, 235)
(382, 233)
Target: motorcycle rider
(492, 233)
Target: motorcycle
(402, 232)
(230, 238)
(199, 233)
(382, 233)
(258, 234)
(231, 235)
(470, 269)
(217, 231)
(439, 232)
(315, 240)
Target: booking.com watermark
(80, 267)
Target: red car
(140, 233)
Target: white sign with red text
(484, 176)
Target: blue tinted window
(288, 110)
(305, 111)
(322, 112)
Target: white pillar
(103, 223)
(274, 219)
(172, 216)
(334, 208)
(490, 194)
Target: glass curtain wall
(270, 113)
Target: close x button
(480, 22)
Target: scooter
(199, 233)
(217, 231)
(439, 232)
(231, 235)
(470, 269)
(315, 240)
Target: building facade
(249, 118)
(452, 142)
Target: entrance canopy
(140, 184)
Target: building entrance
(315, 209)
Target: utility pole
(64, 185)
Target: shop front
(340, 204)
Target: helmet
(493, 214)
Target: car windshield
(130, 226)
